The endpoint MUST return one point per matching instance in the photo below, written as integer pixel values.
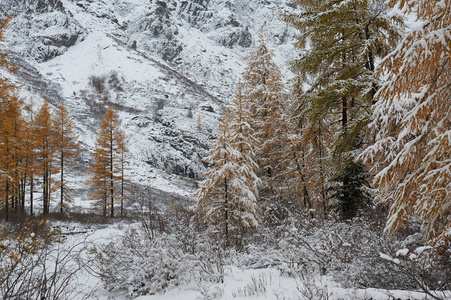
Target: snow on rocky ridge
(167, 67)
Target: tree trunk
(23, 192)
(307, 202)
(122, 184)
(226, 213)
(31, 194)
(104, 206)
(6, 201)
(111, 184)
(62, 182)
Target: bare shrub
(114, 81)
(257, 287)
(35, 263)
(145, 260)
(429, 268)
(98, 83)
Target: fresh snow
(239, 283)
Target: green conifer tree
(344, 39)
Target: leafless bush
(146, 211)
(114, 81)
(429, 268)
(37, 264)
(258, 286)
(147, 260)
(98, 83)
(308, 287)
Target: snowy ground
(239, 283)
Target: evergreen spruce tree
(228, 196)
(344, 39)
(412, 123)
(353, 195)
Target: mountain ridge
(169, 106)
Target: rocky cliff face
(167, 67)
(40, 29)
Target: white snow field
(238, 283)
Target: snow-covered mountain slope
(167, 67)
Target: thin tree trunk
(14, 199)
(23, 192)
(111, 180)
(321, 168)
(122, 184)
(344, 113)
(31, 194)
(307, 202)
(226, 213)
(62, 182)
(6, 201)
(104, 206)
(45, 190)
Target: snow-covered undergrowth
(180, 259)
(173, 256)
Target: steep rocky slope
(167, 67)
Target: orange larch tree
(67, 147)
(11, 152)
(263, 88)
(411, 155)
(11, 122)
(108, 164)
(46, 150)
(29, 163)
(228, 196)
